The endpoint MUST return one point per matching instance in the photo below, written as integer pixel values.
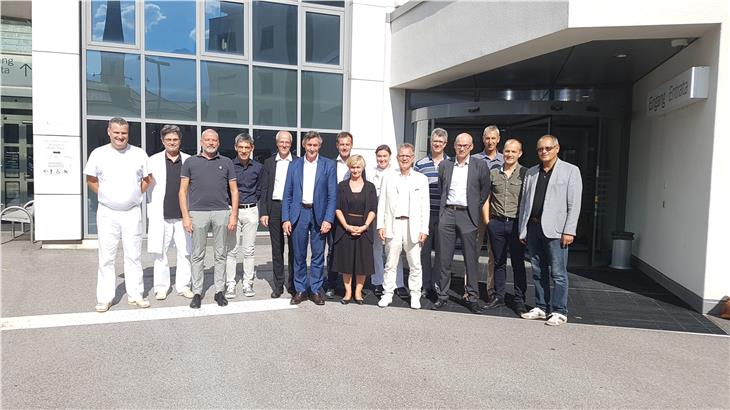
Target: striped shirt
(495, 163)
(426, 167)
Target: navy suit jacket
(325, 191)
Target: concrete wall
(376, 112)
(57, 118)
(672, 176)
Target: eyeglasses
(546, 149)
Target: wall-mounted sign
(56, 167)
(16, 70)
(687, 88)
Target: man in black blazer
(465, 187)
(272, 191)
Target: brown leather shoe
(298, 298)
(317, 299)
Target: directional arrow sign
(16, 70)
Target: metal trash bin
(621, 255)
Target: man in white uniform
(165, 218)
(118, 174)
(403, 212)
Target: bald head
(283, 143)
(463, 145)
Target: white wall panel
(57, 217)
(56, 27)
(56, 94)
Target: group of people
(365, 216)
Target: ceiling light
(621, 55)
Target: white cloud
(191, 34)
(128, 16)
(153, 15)
(101, 11)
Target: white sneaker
(186, 293)
(386, 300)
(103, 307)
(231, 291)
(248, 291)
(415, 300)
(161, 295)
(535, 313)
(141, 302)
(556, 319)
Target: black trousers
(504, 235)
(277, 249)
(332, 276)
(451, 224)
(431, 272)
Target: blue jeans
(304, 232)
(548, 257)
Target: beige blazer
(418, 204)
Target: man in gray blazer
(465, 187)
(549, 213)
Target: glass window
(112, 84)
(224, 89)
(189, 138)
(329, 144)
(323, 39)
(113, 21)
(97, 136)
(170, 92)
(274, 97)
(333, 3)
(265, 141)
(170, 26)
(224, 27)
(321, 100)
(274, 33)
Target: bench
(22, 215)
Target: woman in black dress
(357, 203)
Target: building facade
(635, 92)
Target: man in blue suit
(308, 214)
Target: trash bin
(621, 255)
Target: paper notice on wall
(56, 165)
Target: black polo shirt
(247, 179)
(208, 190)
(538, 201)
(171, 203)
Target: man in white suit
(403, 212)
(549, 213)
(164, 216)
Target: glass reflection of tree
(158, 63)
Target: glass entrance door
(16, 180)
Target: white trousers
(242, 241)
(401, 241)
(377, 278)
(173, 233)
(112, 226)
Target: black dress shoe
(317, 299)
(276, 293)
(220, 298)
(378, 291)
(298, 298)
(195, 303)
(474, 307)
(440, 304)
(291, 291)
(520, 309)
(403, 293)
(330, 294)
(359, 301)
(494, 302)
(345, 301)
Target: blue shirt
(495, 163)
(247, 179)
(430, 170)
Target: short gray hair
(491, 129)
(282, 133)
(311, 134)
(441, 133)
(169, 129)
(242, 137)
(210, 131)
(117, 120)
(407, 145)
(548, 136)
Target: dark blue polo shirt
(208, 189)
(247, 179)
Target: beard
(210, 150)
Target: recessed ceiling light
(621, 55)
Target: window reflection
(170, 88)
(113, 21)
(188, 139)
(227, 137)
(170, 26)
(224, 27)
(224, 89)
(323, 38)
(321, 100)
(332, 3)
(329, 144)
(274, 96)
(274, 33)
(112, 84)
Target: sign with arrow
(16, 70)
